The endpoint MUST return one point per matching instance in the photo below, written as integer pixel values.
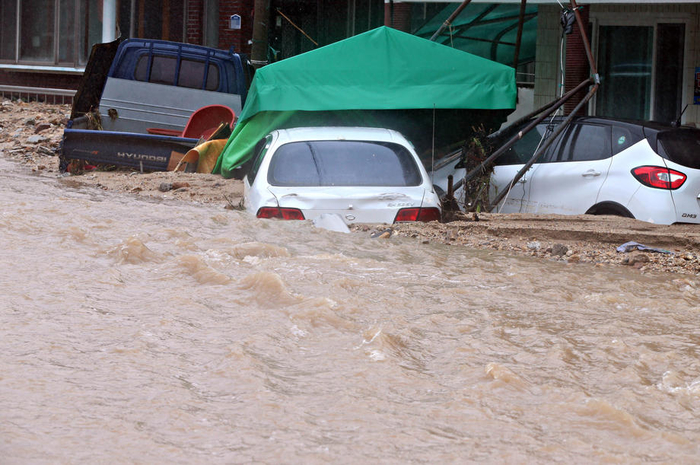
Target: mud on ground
(30, 133)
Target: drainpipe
(109, 20)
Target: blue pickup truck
(132, 86)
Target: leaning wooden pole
(449, 20)
(542, 112)
(543, 147)
(519, 38)
(258, 51)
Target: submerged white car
(643, 170)
(363, 175)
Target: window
(8, 31)
(49, 32)
(192, 75)
(522, 151)
(163, 72)
(259, 153)
(623, 138)
(343, 163)
(585, 142)
(680, 146)
(641, 68)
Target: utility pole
(258, 51)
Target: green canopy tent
(383, 78)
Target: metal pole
(109, 20)
(449, 20)
(544, 147)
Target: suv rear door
(571, 175)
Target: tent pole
(521, 20)
(449, 20)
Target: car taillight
(417, 214)
(658, 177)
(282, 213)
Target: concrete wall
(549, 31)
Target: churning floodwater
(135, 331)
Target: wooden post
(258, 51)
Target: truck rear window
(680, 146)
(343, 163)
(163, 69)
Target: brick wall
(194, 22)
(238, 38)
(401, 16)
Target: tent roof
(381, 69)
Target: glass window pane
(625, 71)
(141, 69)
(163, 70)
(66, 31)
(213, 78)
(669, 82)
(37, 31)
(8, 31)
(586, 142)
(191, 74)
(90, 21)
(343, 163)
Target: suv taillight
(281, 213)
(417, 214)
(658, 177)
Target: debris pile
(32, 132)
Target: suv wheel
(609, 208)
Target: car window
(680, 146)
(192, 75)
(163, 70)
(522, 151)
(141, 69)
(623, 138)
(343, 163)
(258, 155)
(585, 142)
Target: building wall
(547, 61)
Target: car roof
(339, 133)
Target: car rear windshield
(680, 146)
(343, 163)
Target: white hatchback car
(643, 170)
(363, 175)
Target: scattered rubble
(570, 239)
(574, 240)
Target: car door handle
(522, 180)
(591, 173)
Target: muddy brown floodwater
(137, 330)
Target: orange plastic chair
(202, 123)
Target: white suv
(363, 175)
(644, 170)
